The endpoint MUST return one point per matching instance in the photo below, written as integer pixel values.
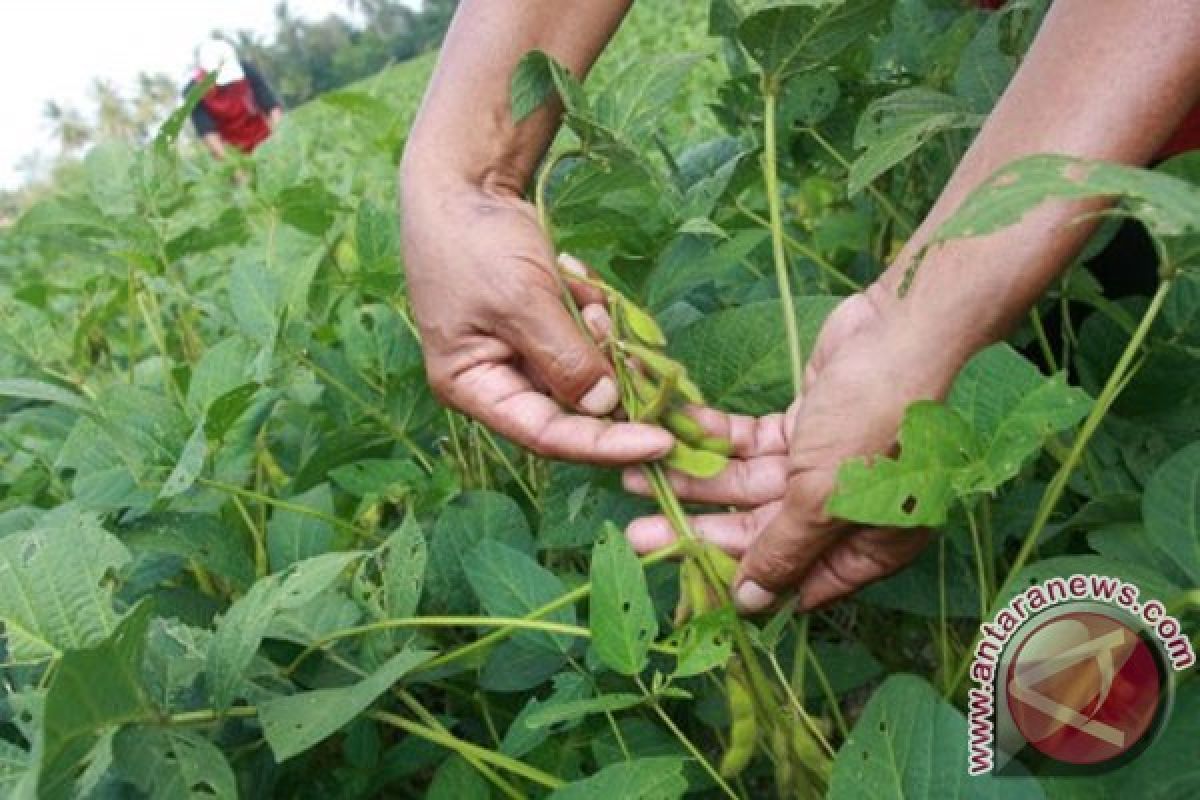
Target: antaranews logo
(1072, 675)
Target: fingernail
(572, 265)
(751, 597)
(597, 320)
(601, 398)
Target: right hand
(499, 344)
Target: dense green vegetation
(243, 551)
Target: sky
(52, 49)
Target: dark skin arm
(499, 344)
(1106, 81)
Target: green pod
(723, 563)
(690, 391)
(643, 326)
(692, 461)
(652, 399)
(743, 729)
(716, 444)
(695, 588)
(684, 427)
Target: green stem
(516, 623)
(502, 633)
(487, 772)
(370, 410)
(684, 740)
(1039, 331)
(465, 748)
(261, 562)
(259, 497)
(831, 698)
(985, 588)
(824, 264)
(879, 196)
(782, 277)
(1108, 395)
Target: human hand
(499, 343)
(865, 370)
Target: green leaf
(705, 642)
(509, 583)
(1013, 408)
(1000, 412)
(207, 539)
(456, 779)
(1166, 205)
(54, 589)
(404, 569)
(578, 500)
(622, 614)
(293, 536)
(787, 39)
(386, 478)
(521, 737)
(256, 301)
(98, 687)
(532, 83)
(894, 127)
(15, 764)
(739, 360)
(376, 239)
(47, 392)
(294, 723)
(476, 516)
(640, 779)
(937, 451)
(240, 631)
(1171, 511)
(173, 764)
(188, 467)
(548, 714)
(910, 743)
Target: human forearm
(1106, 81)
(464, 129)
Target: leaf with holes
(622, 614)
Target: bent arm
(464, 130)
(1107, 81)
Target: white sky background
(52, 49)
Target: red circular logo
(1084, 688)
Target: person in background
(240, 110)
(1106, 80)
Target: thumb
(563, 357)
(785, 550)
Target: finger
(742, 483)
(549, 342)
(598, 321)
(788, 546)
(733, 532)
(856, 561)
(503, 399)
(584, 293)
(751, 436)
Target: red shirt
(237, 111)
(1187, 136)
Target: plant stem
(464, 748)
(1108, 395)
(823, 263)
(684, 740)
(771, 178)
(516, 623)
(285, 505)
(475, 761)
(573, 596)
(879, 196)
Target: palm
(785, 469)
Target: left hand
(865, 370)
